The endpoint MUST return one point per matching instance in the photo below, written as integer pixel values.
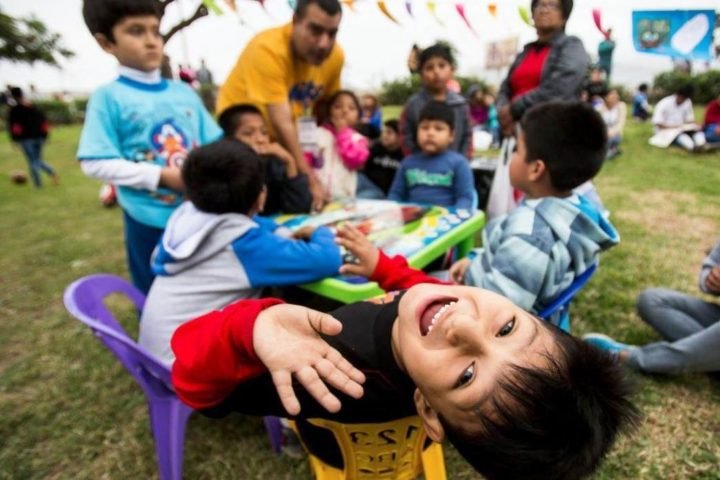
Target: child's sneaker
(603, 342)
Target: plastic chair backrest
(560, 306)
(388, 450)
(84, 300)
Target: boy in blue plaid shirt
(535, 252)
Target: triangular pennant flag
(231, 5)
(492, 8)
(212, 6)
(383, 9)
(525, 15)
(350, 4)
(432, 7)
(461, 11)
(408, 7)
(597, 18)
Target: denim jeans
(33, 152)
(710, 134)
(140, 241)
(690, 327)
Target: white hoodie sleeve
(122, 172)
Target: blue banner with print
(675, 33)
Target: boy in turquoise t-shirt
(139, 128)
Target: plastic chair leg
(168, 419)
(433, 463)
(565, 321)
(274, 431)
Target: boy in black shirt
(288, 190)
(517, 397)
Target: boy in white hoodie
(216, 250)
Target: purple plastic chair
(168, 415)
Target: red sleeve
(214, 353)
(395, 274)
(712, 114)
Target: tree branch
(163, 6)
(201, 11)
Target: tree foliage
(28, 40)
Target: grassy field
(69, 411)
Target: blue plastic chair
(558, 312)
(168, 415)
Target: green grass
(70, 411)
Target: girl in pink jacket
(342, 149)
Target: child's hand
(287, 340)
(712, 281)
(303, 233)
(458, 269)
(171, 177)
(356, 243)
(320, 196)
(277, 150)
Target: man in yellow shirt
(285, 71)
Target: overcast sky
(375, 48)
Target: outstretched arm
(390, 273)
(222, 349)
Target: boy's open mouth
(433, 311)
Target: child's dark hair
(393, 125)
(328, 105)
(439, 111)
(686, 90)
(16, 93)
(570, 137)
(643, 87)
(226, 176)
(231, 117)
(551, 423)
(102, 15)
(331, 7)
(565, 5)
(440, 50)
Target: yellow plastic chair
(390, 450)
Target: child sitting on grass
(518, 398)
(342, 149)
(288, 190)
(216, 250)
(436, 175)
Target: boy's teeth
(439, 314)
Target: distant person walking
(29, 127)
(204, 75)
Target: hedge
(707, 85)
(398, 91)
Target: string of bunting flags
(383, 5)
